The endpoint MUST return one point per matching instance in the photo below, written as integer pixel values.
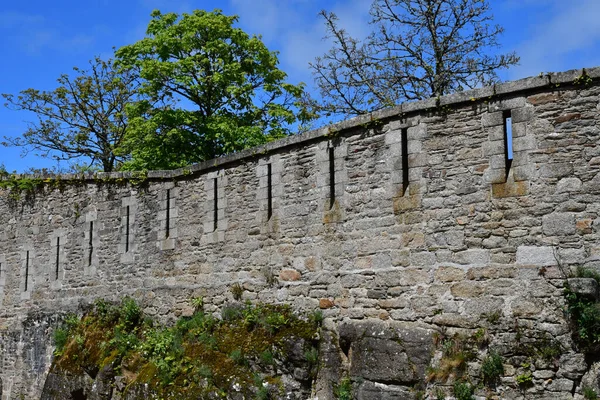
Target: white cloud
(568, 38)
(295, 29)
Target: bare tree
(83, 118)
(417, 49)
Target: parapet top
(497, 91)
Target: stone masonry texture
(467, 236)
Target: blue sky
(40, 40)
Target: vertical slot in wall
(57, 257)
(168, 217)
(27, 271)
(215, 205)
(91, 243)
(404, 144)
(508, 141)
(269, 193)
(331, 177)
(127, 230)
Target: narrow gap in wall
(404, 142)
(127, 230)
(331, 177)
(57, 257)
(91, 243)
(27, 270)
(508, 141)
(168, 217)
(215, 205)
(269, 193)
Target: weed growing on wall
(492, 368)
(199, 355)
(584, 313)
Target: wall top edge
(535, 83)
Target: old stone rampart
(413, 218)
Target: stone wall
(444, 239)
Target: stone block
(558, 224)
(468, 289)
(556, 170)
(492, 119)
(473, 256)
(587, 287)
(568, 185)
(536, 255)
(449, 274)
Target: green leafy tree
(83, 119)
(212, 89)
(418, 49)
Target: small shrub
(130, 312)
(492, 368)
(585, 317)
(463, 390)
(589, 393)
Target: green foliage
(585, 318)
(83, 118)
(196, 357)
(130, 312)
(312, 356)
(198, 303)
(235, 94)
(583, 272)
(316, 317)
(456, 351)
(60, 338)
(237, 356)
(524, 379)
(343, 391)
(439, 393)
(589, 393)
(266, 357)
(492, 368)
(463, 390)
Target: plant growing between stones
(589, 393)
(584, 313)
(463, 390)
(343, 391)
(197, 303)
(193, 358)
(237, 291)
(492, 368)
